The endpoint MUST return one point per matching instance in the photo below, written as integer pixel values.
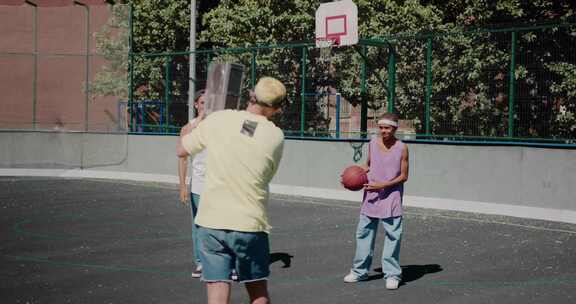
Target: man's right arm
(192, 140)
(183, 163)
(182, 172)
(180, 151)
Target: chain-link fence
(511, 85)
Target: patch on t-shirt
(249, 127)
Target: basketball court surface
(107, 241)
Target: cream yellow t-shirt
(243, 154)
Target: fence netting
(514, 84)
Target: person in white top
(197, 179)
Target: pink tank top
(384, 166)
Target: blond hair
(269, 91)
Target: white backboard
(337, 21)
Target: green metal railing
(457, 86)
(506, 85)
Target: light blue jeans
(365, 237)
(194, 201)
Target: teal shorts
(224, 250)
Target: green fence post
(35, 80)
(391, 78)
(253, 69)
(88, 50)
(167, 87)
(35, 73)
(87, 64)
(303, 91)
(131, 64)
(512, 86)
(428, 84)
(208, 60)
(364, 105)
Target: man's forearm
(182, 170)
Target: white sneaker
(392, 283)
(352, 278)
(234, 275)
(197, 272)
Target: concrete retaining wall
(516, 181)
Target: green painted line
(562, 280)
(19, 229)
(96, 266)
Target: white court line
(420, 214)
(556, 215)
(548, 214)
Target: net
(325, 46)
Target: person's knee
(261, 300)
(363, 233)
(258, 292)
(218, 292)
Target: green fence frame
(389, 42)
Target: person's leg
(258, 292)
(391, 251)
(216, 259)
(194, 200)
(218, 292)
(365, 236)
(252, 251)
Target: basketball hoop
(325, 45)
(337, 21)
(336, 25)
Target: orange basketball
(354, 178)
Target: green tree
(112, 43)
(246, 23)
(470, 66)
(540, 89)
(157, 27)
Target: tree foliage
(470, 66)
(112, 42)
(158, 27)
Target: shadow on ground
(410, 273)
(284, 257)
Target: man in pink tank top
(387, 169)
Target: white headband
(389, 122)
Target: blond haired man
(244, 149)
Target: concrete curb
(557, 215)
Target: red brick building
(47, 54)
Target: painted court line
(565, 280)
(531, 227)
